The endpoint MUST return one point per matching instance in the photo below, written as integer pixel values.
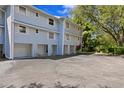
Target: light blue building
(26, 31)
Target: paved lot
(81, 71)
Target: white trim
(37, 27)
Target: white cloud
(69, 6)
(67, 9)
(63, 11)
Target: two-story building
(26, 31)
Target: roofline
(64, 18)
(35, 8)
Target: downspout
(5, 31)
(12, 38)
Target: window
(67, 25)
(22, 29)
(22, 10)
(67, 36)
(78, 38)
(51, 35)
(36, 30)
(37, 15)
(51, 21)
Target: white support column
(12, 32)
(34, 50)
(9, 33)
(61, 37)
(49, 49)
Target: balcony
(78, 33)
(34, 21)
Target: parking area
(82, 71)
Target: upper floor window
(37, 31)
(37, 15)
(67, 36)
(22, 29)
(51, 21)
(67, 25)
(22, 10)
(51, 35)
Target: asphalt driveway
(82, 71)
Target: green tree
(89, 37)
(109, 19)
(105, 42)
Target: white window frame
(53, 35)
(25, 10)
(67, 37)
(52, 20)
(37, 31)
(21, 31)
(37, 14)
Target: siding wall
(42, 37)
(72, 29)
(30, 18)
(73, 40)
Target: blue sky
(56, 10)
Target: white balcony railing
(34, 21)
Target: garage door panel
(42, 50)
(65, 49)
(72, 49)
(22, 50)
(54, 50)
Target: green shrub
(111, 50)
(116, 50)
(119, 50)
(101, 49)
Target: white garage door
(54, 50)
(65, 49)
(42, 50)
(72, 49)
(22, 50)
